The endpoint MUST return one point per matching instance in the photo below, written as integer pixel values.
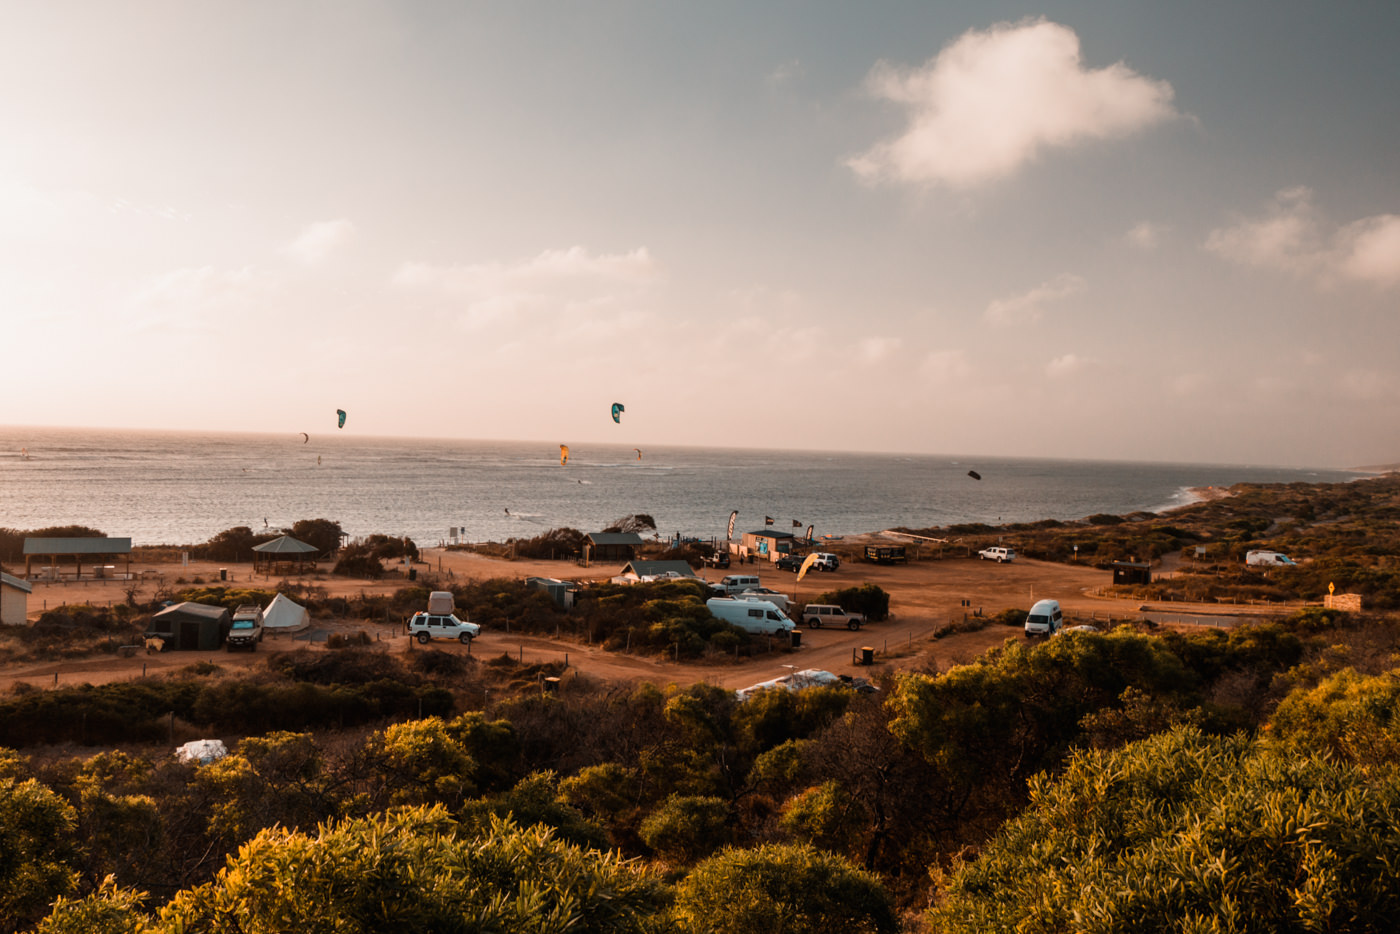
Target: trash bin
(867, 655)
(796, 638)
(413, 574)
(223, 574)
(551, 685)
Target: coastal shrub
(687, 827)
(357, 561)
(639, 523)
(323, 533)
(227, 597)
(235, 544)
(556, 543)
(500, 601)
(1183, 831)
(869, 599)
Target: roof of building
(9, 580)
(286, 545)
(770, 533)
(188, 609)
(614, 538)
(657, 568)
(77, 546)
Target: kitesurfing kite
(563, 454)
(340, 415)
(639, 453)
(617, 411)
(974, 475)
(305, 437)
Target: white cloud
(195, 297)
(1028, 306)
(1145, 235)
(994, 100)
(1369, 250)
(873, 350)
(1066, 365)
(942, 367)
(554, 280)
(1292, 236)
(319, 240)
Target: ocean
(180, 488)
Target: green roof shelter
(284, 550)
(96, 551)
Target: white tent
(282, 615)
(202, 751)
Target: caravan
(755, 616)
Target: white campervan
(756, 616)
(738, 583)
(1044, 618)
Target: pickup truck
(998, 554)
(247, 628)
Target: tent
(193, 626)
(283, 615)
(201, 751)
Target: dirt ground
(924, 597)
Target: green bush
(868, 599)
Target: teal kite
(340, 415)
(617, 411)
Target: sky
(1131, 230)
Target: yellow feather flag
(806, 565)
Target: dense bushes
(868, 599)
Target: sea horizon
(182, 486)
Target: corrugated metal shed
(77, 546)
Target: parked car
(790, 562)
(720, 559)
(817, 615)
(425, 627)
(826, 561)
(998, 554)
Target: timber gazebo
(284, 550)
(95, 551)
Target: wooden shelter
(284, 550)
(613, 546)
(95, 551)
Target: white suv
(425, 627)
(826, 561)
(817, 615)
(998, 554)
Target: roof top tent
(190, 627)
(284, 550)
(97, 549)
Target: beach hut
(1132, 572)
(283, 615)
(14, 600)
(190, 627)
(284, 550)
(563, 593)
(768, 543)
(613, 546)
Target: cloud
(876, 349)
(1028, 305)
(1292, 236)
(555, 280)
(942, 367)
(197, 297)
(993, 100)
(319, 240)
(1144, 235)
(1066, 365)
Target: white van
(1269, 559)
(756, 616)
(738, 583)
(1044, 618)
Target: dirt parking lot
(924, 597)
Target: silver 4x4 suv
(425, 627)
(817, 615)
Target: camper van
(755, 616)
(733, 584)
(1268, 559)
(1044, 618)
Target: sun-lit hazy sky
(1141, 230)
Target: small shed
(1132, 572)
(613, 546)
(769, 543)
(284, 550)
(563, 593)
(650, 570)
(14, 600)
(95, 551)
(190, 627)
